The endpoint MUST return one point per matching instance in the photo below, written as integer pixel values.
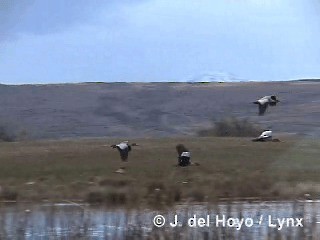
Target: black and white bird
(264, 102)
(266, 135)
(124, 148)
(183, 155)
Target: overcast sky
(55, 41)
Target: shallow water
(72, 221)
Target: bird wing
(266, 134)
(264, 100)
(185, 154)
(262, 108)
(124, 154)
(122, 145)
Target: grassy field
(83, 170)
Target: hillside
(154, 109)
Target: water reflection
(71, 221)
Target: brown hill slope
(154, 109)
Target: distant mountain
(309, 80)
(217, 77)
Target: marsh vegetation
(230, 168)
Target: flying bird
(124, 148)
(266, 136)
(264, 102)
(183, 155)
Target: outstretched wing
(124, 154)
(262, 108)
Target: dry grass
(229, 167)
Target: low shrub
(231, 127)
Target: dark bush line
(231, 127)
(8, 194)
